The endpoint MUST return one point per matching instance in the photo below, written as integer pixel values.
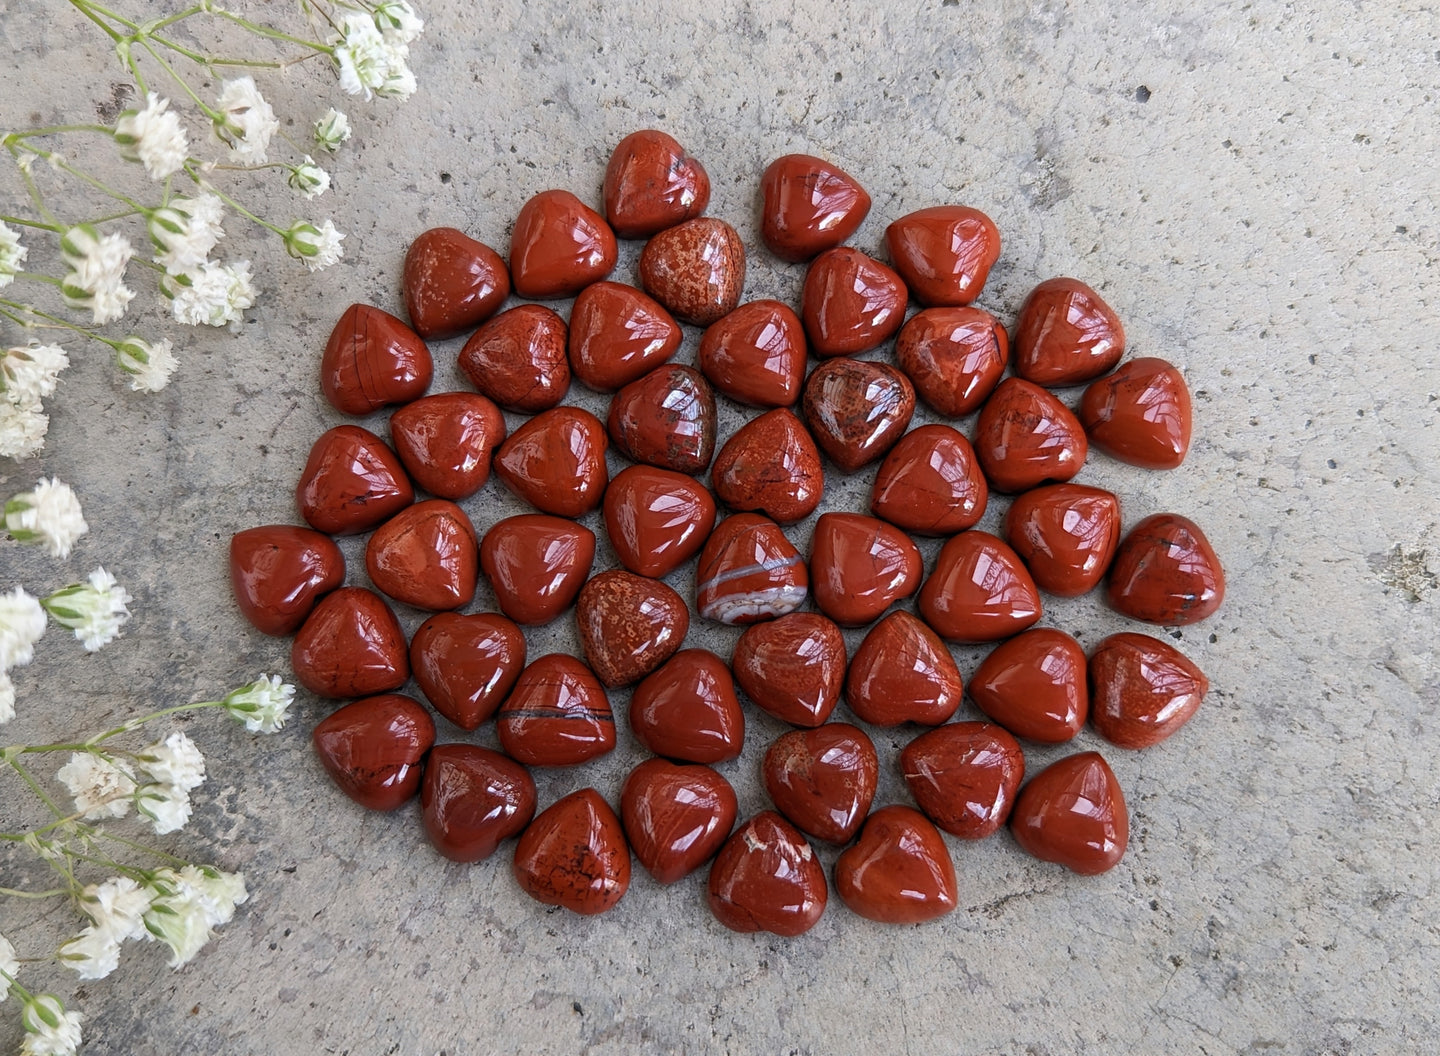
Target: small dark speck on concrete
(1142, 94)
(1214, 638)
(579, 1011)
(444, 177)
(195, 1010)
(956, 3)
(1330, 462)
(1312, 357)
(838, 77)
(1401, 229)
(1176, 635)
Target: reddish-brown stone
(557, 714)
(766, 878)
(279, 572)
(930, 483)
(851, 303)
(859, 566)
(771, 465)
(666, 419)
(425, 556)
(351, 482)
(857, 410)
(1166, 572)
(451, 283)
(749, 572)
(1034, 686)
(1073, 813)
(536, 565)
(1142, 690)
(696, 269)
(556, 461)
(446, 441)
(1026, 437)
(652, 184)
(902, 672)
(574, 855)
(372, 360)
(688, 710)
(955, 357)
(373, 748)
(350, 646)
(472, 799)
(979, 591)
(618, 334)
(823, 779)
(808, 206)
(629, 625)
(793, 667)
(899, 871)
(756, 354)
(559, 246)
(1066, 534)
(676, 817)
(466, 665)
(1140, 414)
(518, 358)
(944, 253)
(1067, 334)
(964, 775)
(657, 519)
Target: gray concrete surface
(1266, 219)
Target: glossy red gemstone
(556, 461)
(793, 667)
(279, 572)
(1166, 572)
(1034, 686)
(666, 419)
(446, 441)
(756, 354)
(859, 566)
(749, 572)
(1066, 534)
(557, 714)
(1026, 437)
(902, 672)
(688, 710)
(851, 303)
(1142, 690)
(955, 357)
(696, 269)
(372, 360)
(472, 799)
(629, 625)
(373, 748)
(536, 565)
(618, 334)
(979, 591)
(1073, 813)
(426, 556)
(350, 646)
(651, 183)
(857, 410)
(657, 519)
(964, 775)
(930, 483)
(944, 253)
(351, 482)
(823, 779)
(518, 358)
(766, 878)
(771, 465)
(559, 246)
(1067, 334)
(676, 817)
(809, 205)
(1140, 414)
(452, 283)
(899, 871)
(467, 665)
(574, 855)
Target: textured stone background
(1266, 218)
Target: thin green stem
(35, 276)
(274, 34)
(169, 20)
(207, 110)
(32, 223)
(61, 163)
(34, 190)
(84, 9)
(231, 202)
(35, 787)
(15, 892)
(54, 319)
(124, 727)
(133, 845)
(50, 130)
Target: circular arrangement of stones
(676, 813)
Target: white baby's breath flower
(153, 136)
(30, 373)
(9, 966)
(309, 179)
(93, 954)
(212, 294)
(95, 281)
(49, 1029)
(174, 761)
(246, 121)
(318, 247)
(177, 916)
(7, 705)
(166, 806)
(93, 610)
(331, 130)
(263, 705)
(22, 622)
(398, 21)
(22, 428)
(12, 253)
(49, 515)
(186, 231)
(361, 54)
(219, 892)
(149, 366)
(117, 906)
(399, 82)
(101, 788)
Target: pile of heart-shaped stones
(678, 813)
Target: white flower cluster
(244, 121)
(263, 706)
(154, 137)
(212, 294)
(13, 254)
(27, 376)
(96, 280)
(185, 231)
(149, 365)
(48, 515)
(175, 767)
(49, 1029)
(22, 622)
(101, 786)
(9, 966)
(331, 130)
(93, 610)
(309, 179)
(372, 51)
(318, 247)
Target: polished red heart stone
(756, 354)
(688, 710)
(1067, 334)
(1066, 534)
(618, 334)
(850, 303)
(859, 566)
(574, 855)
(944, 253)
(899, 871)
(629, 625)
(425, 556)
(350, 646)
(1034, 686)
(1140, 414)
(1073, 813)
(557, 714)
(749, 572)
(472, 798)
(666, 419)
(930, 483)
(902, 672)
(808, 206)
(559, 245)
(979, 591)
(351, 482)
(451, 283)
(657, 519)
(964, 775)
(771, 465)
(793, 667)
(676, 817)
(279, 572)
(857, 410)
(955, 357)
(1166, 572)
(1142, 690)
(1026, 437)
(556, 461)
(371, 360)
(536, 565)
(823, 779)
(373, 748)
(652, 184)
(696, 269)
(467, 665)
(766, 878)
(446, 441)
(518, 358)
